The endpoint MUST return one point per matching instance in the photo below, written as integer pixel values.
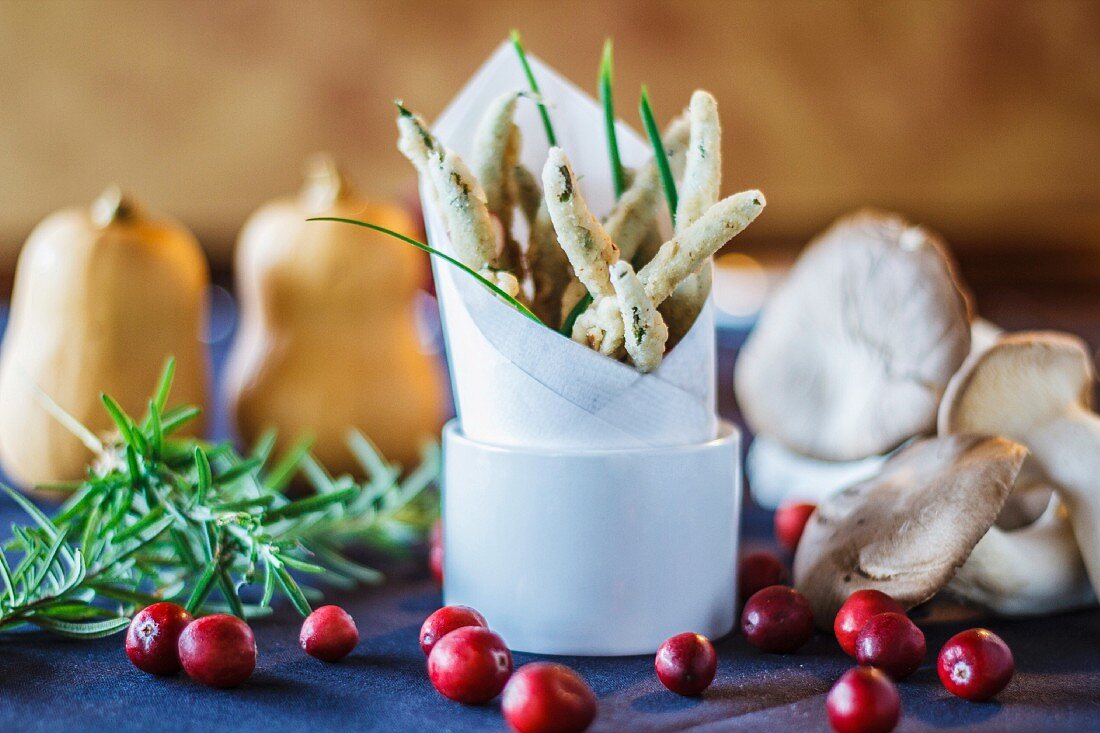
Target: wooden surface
(981, 119)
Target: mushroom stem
(1068, 450)
(1035, 388)
(1029, 571)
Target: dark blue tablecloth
(51, 684)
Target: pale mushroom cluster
(942, 453)
(614, 284)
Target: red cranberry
(975, 664)
(759, 570)
(891, 642)
(856, 611)
(548, 698)
(218, 650)
(686, 663)
(863, 700)
(329, 634)
(777, 620)
(152, 637)
(470, 665)
(446, 620)
(435, 551)
(790, 520)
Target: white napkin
(517, 383)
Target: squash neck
(114, 207)
(325, 185)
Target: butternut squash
(327, 339)
(102, 297)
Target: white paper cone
(517, 383)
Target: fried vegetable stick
(634, 216)
(416, 143)
(698, 192)
(528, 192)
(459, 196)
(683, 254)
(586, 243)
(460, 199)
(551, 275)
(496, 153)
(645, 330)
(464, 210)
(703, 161)
(601, 327)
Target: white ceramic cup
(593, 552)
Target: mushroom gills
(908, 529)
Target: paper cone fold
(517, 383)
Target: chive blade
(517, 43)
(581, 306)
(442, 255)
(618, 176)
(659, 153)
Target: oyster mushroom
(1035, 388)
(1033, 570)
(776, 473)
(854, 350)
(907, 530)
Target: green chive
(517, 43)
(659, 153)
(618, 176)
(431, 250)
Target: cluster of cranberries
(872, 628)
(470, 664)
(220, 650)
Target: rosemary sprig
(162, 517)
(668, 183)
(442, 255)
(517, 43)
(618, 175)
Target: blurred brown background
(981, 119)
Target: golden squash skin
(327, 339)
(103, 296)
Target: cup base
(590, 552)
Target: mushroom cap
(906, 531)
(854, 350)
(1024, 380)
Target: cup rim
(728, 434)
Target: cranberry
(329, 634)
(686, 663)
(435, 551)
(863, 700)
(790, 520)
(152, 637)
(856, 611)
(470, 665)
(777, 620)
(446, 620)
(759, 570)
(975, 664)
(891, 642)
(218, 650)
(548, 698)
